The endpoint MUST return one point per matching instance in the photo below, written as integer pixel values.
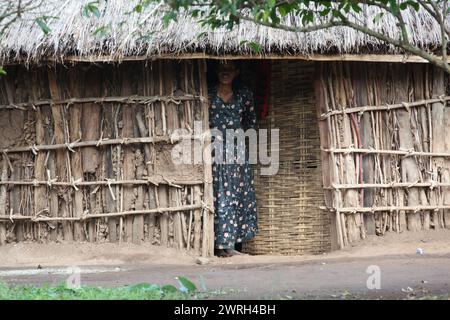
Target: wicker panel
(289, 217)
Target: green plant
(141, 291)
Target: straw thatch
(144, 34)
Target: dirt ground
(336, 275)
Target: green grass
(142, 291)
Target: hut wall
(290, 220)
(385, 153)
(86, 154)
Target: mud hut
(88, 112)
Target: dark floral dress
(234, 193)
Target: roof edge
(395, 58)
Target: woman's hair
(236, 64)
(213, 79)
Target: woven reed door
(289, 216)
(86, 154)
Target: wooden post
(128, 170)
(3, 194)
(109, 168)
(440, 126)
(367, 141)
(324, 131)
(15, 196)
(349, 177)
(208, 196)
(164, 217)
(177, 231)
(91, 120)
(90, 125)
(151, 219)
(60, 167)
(128, 157)
(40, 192)
(419, 124)
(143, 131)
(334, 141)
(446, 171)
(410, 171)
(75, 113)
(138, 221)
(197, 219)
(111, 129)
(163, 190)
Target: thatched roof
(144, 35)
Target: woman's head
(227, 72)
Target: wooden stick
(208, 196)
(128, 156)
(188, 241)
(409, 167)
(344, 98)
(138, 221)
(328, 160)
(3, 194)
(389, 185)
(40, 193)
(154, 180)
(109, 171)
(57, 114)
(15, 194)
(119, 174)
(138, 82)
(164, 218)
(126, 100)
(412, 209)
(147, 159)
(326, 139)
(91, 131)
(440, 166)
(76, 159)
(147, 131)
(161, 210)
(177, 232)
(163, 191)
(120, 230)
(403, 105)
(418, 126)
(409, 153)
(184, 227)
(97, 143)
(197, 219)
(14, 197)
(362, 97)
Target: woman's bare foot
(222, 253)
(226, 253)
(233, 252)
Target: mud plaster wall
(39, 200)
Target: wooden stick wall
(383, 129)
(86, 154)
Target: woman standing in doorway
(232, 107)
